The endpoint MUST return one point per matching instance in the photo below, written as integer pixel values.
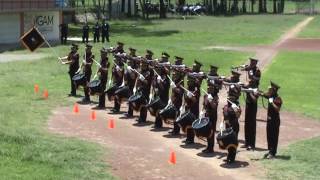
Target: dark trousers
(96, 38)
(116, 105)
(232, 152)
(144, 110)
(73, 86)
(190, 132)
(176, 127)
(130, 109)
(234, 124)
(210, 140)
(273, 135)
(86, 88)
(250, 124)
(105, 36)
(63, 39)
(158, 121)
(102, 97)
(85, 38)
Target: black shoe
(250, 148)
(265, 156)
(115, 110)
(174, 133)
(230, 161)
(127, 115)
(207, 151)
(74, 95)
(85, 101)
(188, 142)
(156, 127)
(99, 107)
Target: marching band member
(117, 79)
(130, 78)
(87, 63)
(143, 85)
(73, 61)
(118, 49)
(231, 113)
(103, 72)
(161, 84)
(177, 91)
(273, 120)
(192, 98)
(210, 105)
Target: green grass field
(312, 30)
(198, 32)
(27, 150)
(297, 73)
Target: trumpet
(233, 84)
(241, 67)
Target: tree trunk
(252, 6)
(162, 11)
(274, 6)
(260, 6)
(110, 8)
(244, 6)
(281, 6)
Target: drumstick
(96, 62)
(205, 91)
(187, 90)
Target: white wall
(46, 22)
(9, 28)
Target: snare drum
(79, 80)
(185, 120)
(169, 114)
(202, 127)
(123, 93)
(155, 106)
(137, 101)
(227, 138)
(95, 87)
(110, 92)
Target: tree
(244, 6)
(163, 10)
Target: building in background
(18, 16)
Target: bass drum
(95, 87)
(227, 138)
(123, 93)
(137, 101)
(79, 80)
(202, 127)
(155, 106)
(185, 120)
(169, 114)
(110, 92)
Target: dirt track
(142, 153)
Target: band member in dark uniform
(87, 63)
(130, 78)
(73, 61)
(273, 121)
(192, 98)
(254, 72)
(63, 33)
(119, 48)
(85, 33)
(177, 91)
(105, 31)
(103, 71)
(117, 79)
(143, 85)
(234, 85)
(210, 105)
(96, 32)
(161, 85)
(231, 113)
(251, 114)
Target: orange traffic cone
(172, 159)
(93, 116)
(45, 94)
(76, 108)
(111, 124)
(36, 88)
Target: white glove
(159, 79)
(234, 107)
(173, 85)
(210, 98)
(129, 68)
(201, 114)
(243, 65)
(141, 77)
(189, 94)
(222, 77)
(239, 83)
(270, 100)
(118, 68)
(111, 47)
(232, 86)
(212, 81)
(255, 91)
(118, 53)
(250, 72)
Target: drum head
(200, 123)
(94, 83)
(78, 76)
